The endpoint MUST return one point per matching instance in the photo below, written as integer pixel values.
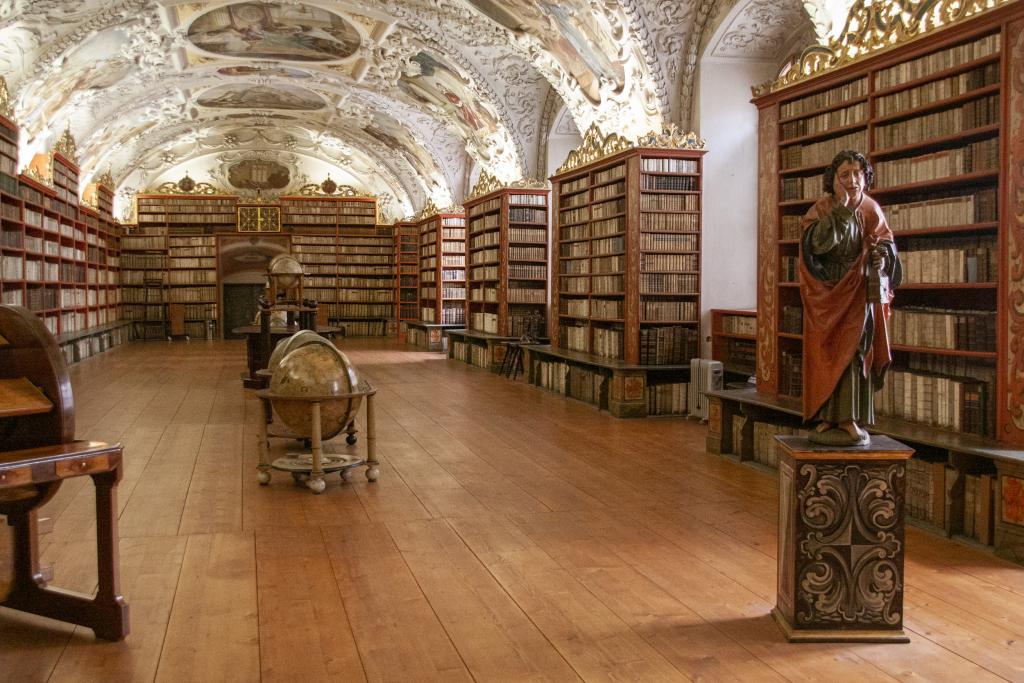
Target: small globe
(300, 338)
(286, 270)
(315, 370)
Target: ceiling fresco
(408, 100)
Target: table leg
(372, 465)
(316, 477)
(263, 475)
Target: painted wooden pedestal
(1009, 539)
(841, 541)
(428, 336)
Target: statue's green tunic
(835, 241)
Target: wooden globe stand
(312, 468)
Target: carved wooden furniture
(259, 343)
(311, 468)
(841, 541)
(37, 429)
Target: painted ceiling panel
(406, 99)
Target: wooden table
(257, 357)
(28, 479)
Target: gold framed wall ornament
(259, 219)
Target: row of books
(669, 165)
(667, 399)
(574, 337)
(480, 273)
(524, 295)
(824, 122)
(973, 158)
(363, 328)
(933, 91)
(192, 294)
(668, 242)
(550, 374)
(488, 222)
(822, 152)
(791, 373)
(493, 204)
(584, 384)
(524, 215)
(196, 263)
(528, 235)
(791, 320)
(655, 310)
(608, 245)
(740, 356)
(570, 201)
(527, 319)
(516, 253)
(961, 263)
(193, 252)
(613, 190)
(671, 262)
(766, 447)
(469, 353)
(955, 403)
(943, 211)
(608, 264)
(485, 322)
(668, 344)
(532, 199)
(608, 209)
(977, 113)
(579, 184)
(192, 277)
(146, 202)
(189, 218)
(143, 243)
(669, 222)
(669, 182)
(483, 295)
(914, 69)
(609, 174)
(148, 295)
(669, 283)
(944, 329)
(488, 239)
(607, 284)
(739, 324)
(826, 98)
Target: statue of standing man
(848, 269)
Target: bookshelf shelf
(442, 269)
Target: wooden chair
(37, 428)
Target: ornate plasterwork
(672, 138)
(328, 188)
(186, 185)
(760, 30)
(6, 108)
(872, 26)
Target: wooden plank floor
(513, 535)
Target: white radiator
(705, 375)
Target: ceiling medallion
(672, 138)
(66, 145)
(329, 188)
(6, 108)
(872, 26)
(594, 146)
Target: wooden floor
(513, 535)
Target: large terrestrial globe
(287, 270)
(315, 370)
(288, 344)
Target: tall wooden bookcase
(442, 268)
(407, 265)
(627, 231)
(941, 117)
(59, 258)
(928, 116)
(507, 262)
(349, 257)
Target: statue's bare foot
(855, 432)
(823, 427)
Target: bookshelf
(192, 283)
(348, 257)
(734, 341)
(626, 283)
(443, 268)
(407, 266)
(144, 281)
(940, 118)
(507, 260)
(58, 257)
(187, 213)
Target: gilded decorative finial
(106, 179)
(485, 184)
(672, 138)
(66, 145)
(429, 209)
(872, 26)
(6, 107)
(595, 146)
(329, 188)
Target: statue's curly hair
(839, 160)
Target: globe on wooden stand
(314, 395)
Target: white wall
(728, 121)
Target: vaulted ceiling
(407, 100)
